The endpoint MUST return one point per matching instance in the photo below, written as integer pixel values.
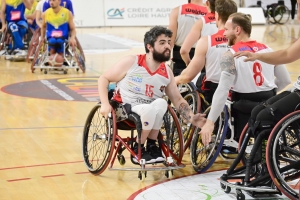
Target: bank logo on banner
(115, 13)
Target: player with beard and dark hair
(141, 82)
(250, 82)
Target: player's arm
(43, 27)
(173, 25)
(197, 63)
(114, 74)
(190, 40)
(283, 77)
(72, 27)
(284, 56)
(181, 105)
(38, 18)
(228, 74)
(3, 9)
(28, 4)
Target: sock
(136, 145)
(150, 142)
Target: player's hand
(72, 42)
(199, 120)
(249, 56)
(206, 132)
(105, 110)
(3, 28)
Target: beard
(53, 6)
(231, 41)
(161, 57)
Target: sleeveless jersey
(140, 86)
(209, 26)
(64, 3)
(30, 12)
(217, 46)
(57, 23)
(15, 10)
(187, 16)
(252, 76)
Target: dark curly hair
(151, 36)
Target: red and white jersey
(254, 76)
(217, 46)
(209, 24)
(187, 16)
(140, 85)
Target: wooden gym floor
(41, 131)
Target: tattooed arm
(227, 78)
(181, 105)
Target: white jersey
(187, 16)
(140, 85)
(217, 46)
(254, 76)
(209, 26)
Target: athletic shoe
(155, 152)
(145, 155)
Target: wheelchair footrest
(149, 168)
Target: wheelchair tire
(80, 48)
(171, 137)
(33, 45)
(194, 101)
(37, 60)
(79, 58)
(209, 153)
(98, 140)
(283, 154)
(281, 14)
(2, 39)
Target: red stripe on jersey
(162, 69)
(210, 17)
(251, 46)
(193, 9)
(218, 38)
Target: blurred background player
(13, 18)
(64, 3)
(182, 19)
(208, 52)
(57, 25)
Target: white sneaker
(21, 53)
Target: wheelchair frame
(168, 139)
(41, 60)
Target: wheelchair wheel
(98, 140)
(202, 157)
(194, 102)
(171, 134)
(33, 45)
(3, 39)
(79, 58)
(80, 48)
(40, 55)
(283, 155)
(281, 14)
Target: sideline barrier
(101, 13)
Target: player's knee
(160, 105)
(13, 27)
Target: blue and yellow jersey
(30, 12)
(57, 23)
(15, 10)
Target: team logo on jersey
(211, 18)
(219, 38)
(115, 13)
(255, 49)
